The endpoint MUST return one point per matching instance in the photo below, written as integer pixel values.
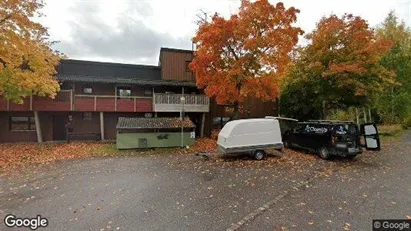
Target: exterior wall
(154, 140)
(173, 65)
(15, 136)
(109, 89)
(80, 125)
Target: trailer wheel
(259, 154)
(324, 153)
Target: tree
(245, 55)
(27, 62)
(342, 63)
(394, 103)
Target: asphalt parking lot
(287, 191)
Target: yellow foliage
(27, 63)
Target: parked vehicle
(332, 138)
(252, 136)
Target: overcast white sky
(133, 31)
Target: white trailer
(250, 135)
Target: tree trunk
(235, 112)
(369, 115)
(324, 112)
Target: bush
(406, 123)
(347, 115)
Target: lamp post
(182, 100)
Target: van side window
(299, 128)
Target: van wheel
(259, 155)
(324, 153)
(286, 144)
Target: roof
(175, 50)
(105, 72)
(71, 67)
(160, 122)
(121, 80)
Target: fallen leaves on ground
(16, 155)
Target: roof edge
(79, 61)
(175, 50)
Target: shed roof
(160, 122)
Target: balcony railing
(113, 103)
(66, 100)
(172, 103)
(62, 102)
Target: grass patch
(391, 132)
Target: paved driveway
(185, 192)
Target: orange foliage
(247, 54)
(346, 51)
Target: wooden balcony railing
(62, 102)
(66, 100)
(113, 103)
(172, 103)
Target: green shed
(154, 132)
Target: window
(87, 90)
(148, 92)
(87, 116)
(25, 123)
(187, 66)
(124, 91)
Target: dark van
(331, 138)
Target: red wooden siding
(144, 105)
(3, 104)
(60, 103)
(20, 107)
(126, 105)
(84, 104)
(105, 104)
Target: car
(252, 136)
(330, 138)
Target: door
(371, 137)
(59, 127)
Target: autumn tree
(394, 103)
(245, 55)
(340, 67)
(27, 62)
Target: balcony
(62, 102)
(66, 100)
(109, 103)
(172, 103)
